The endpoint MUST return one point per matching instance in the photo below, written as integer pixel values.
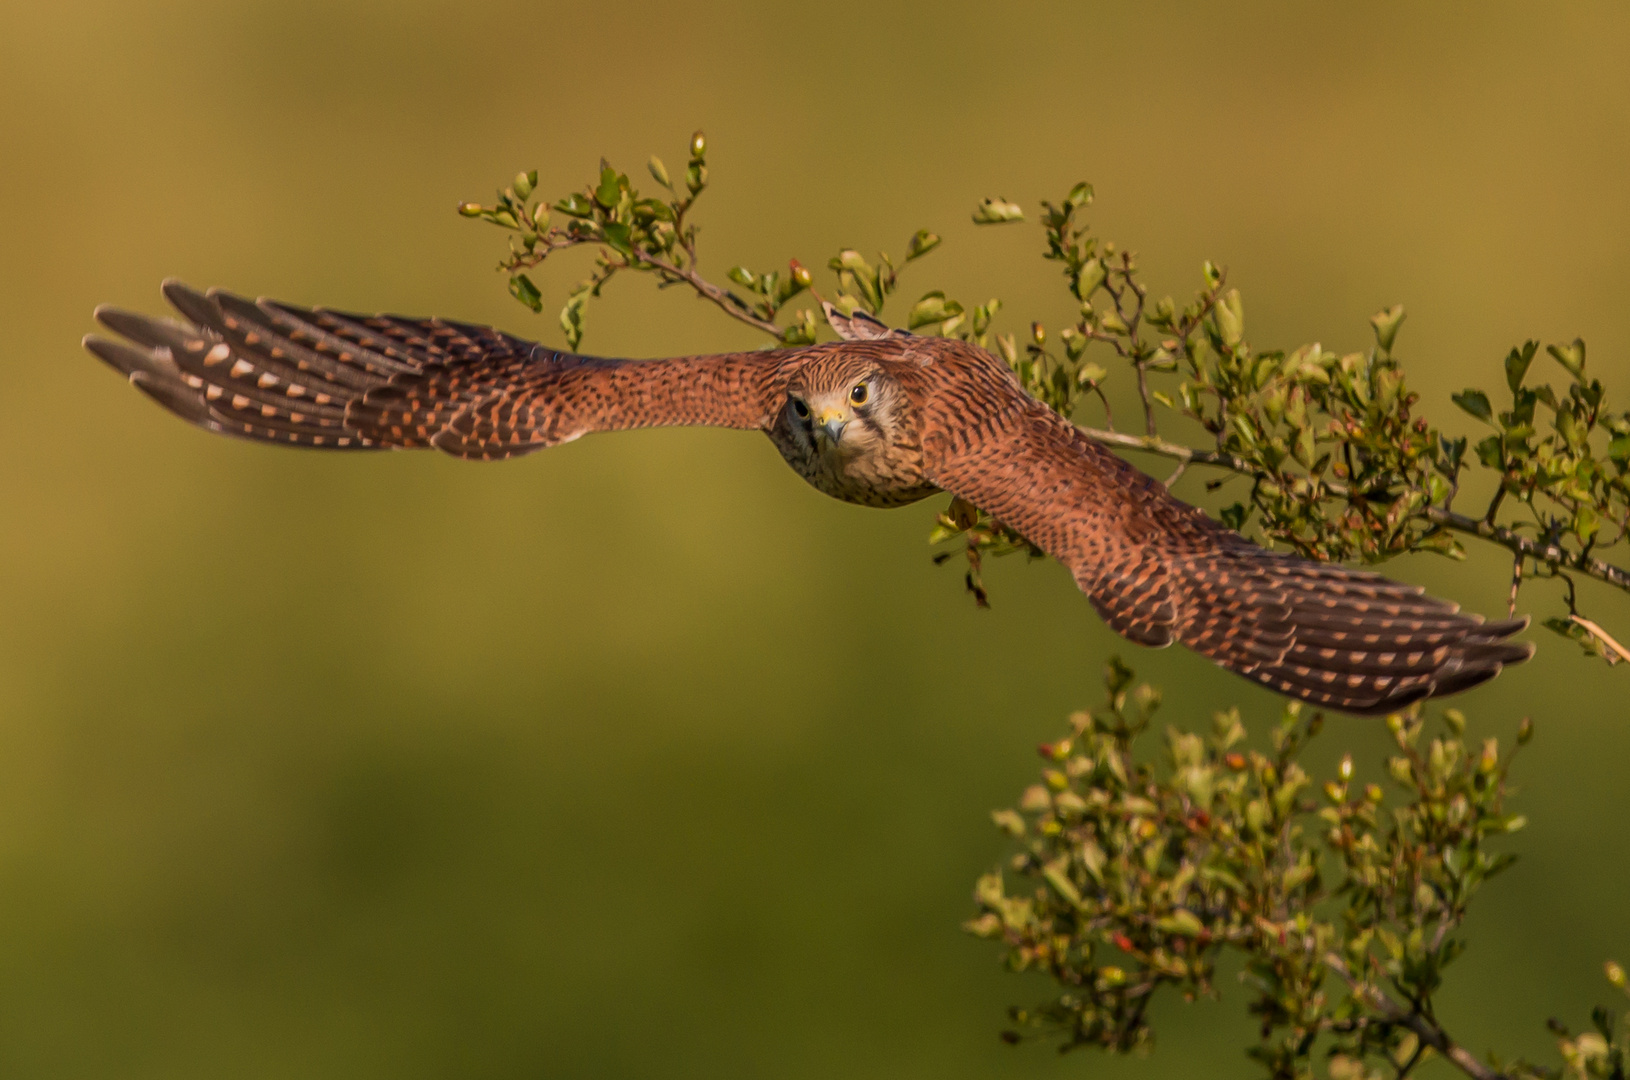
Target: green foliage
(1344, 895)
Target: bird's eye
(858, 395)
(800, 408)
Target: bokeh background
(637, 757)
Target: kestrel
(881, 419)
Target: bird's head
(844, 411)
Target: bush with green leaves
(1345, 896)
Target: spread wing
(278, 373)
(1159, 571)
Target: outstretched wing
(1159, 570)
(278, 373)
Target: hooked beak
(832, 425)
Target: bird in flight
(882, 418)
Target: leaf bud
(524, 183)
(800, 274)
(1490, 759)
(1525, 731)
(659, 171)
(1056, 780)
(1456, 720)
(1372, 792)
(1038, 334)
(1035, 799)
(1230, 318)
(698, 146)
(1401, 770)
(1345, 769)
(696, 177)
(1615, 973)
(469, 209)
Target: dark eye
(801, 409)
(858, 395)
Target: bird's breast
(885, 477)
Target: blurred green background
(638, 757)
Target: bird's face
(843, 415)
(849, 428)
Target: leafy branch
(1346, 902)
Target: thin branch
(1426, 1029)
(725, 300)
(1143, 392)
(1601, 635)
(1551, 554)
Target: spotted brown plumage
(881, 419)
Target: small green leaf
(619, 237)
(521, 287)
(1386, 325)
(743, 277)
(1516, 364)
(1586, 523)
(997, 211)
(921, 243)
(1571, 357)
(571, 316)
(1080, 195)
(1092, 276)
(609, 191)
(524, 183)
(575, 205)
(1181, 921)
(1476, 403)
(659, 172)
(932, 308)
